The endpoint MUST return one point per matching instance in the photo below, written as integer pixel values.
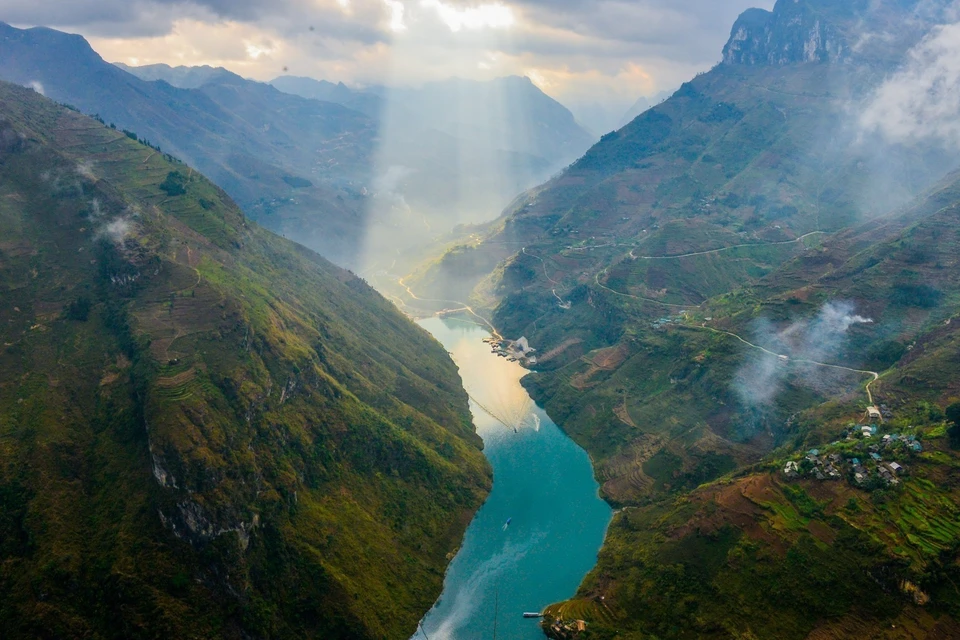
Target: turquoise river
(543, 485)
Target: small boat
(532, 615)
(507, 524)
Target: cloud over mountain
(606, 49)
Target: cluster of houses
(867, 468)
(518, 351)
(564, 629)
(668, 320)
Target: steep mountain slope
(641, 105)
(452, 152)
(282, 158)
(368, 102)
(205, 430)
(511, 113)
(710, 190)
(318, 171)
(772, 553)
(751, 152)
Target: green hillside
(205, 430)
(720, 541)
(711, 291)
(683, 216)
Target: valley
(700, 378)
(714, 291)
(539, 531)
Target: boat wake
(483, 581)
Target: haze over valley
(427, 319)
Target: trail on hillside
(463, 307)
(641, 298)
(632, 256)
(723, 249)
(543, 264)
(874, 374)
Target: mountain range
(323, 172)
(744, 304)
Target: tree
(174, 184)
(78, 310)
(953, 415)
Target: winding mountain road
(641, 298)
(730, 248)
(681, 256)
(463, 307)
(874, 374)
(543, 264)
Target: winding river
(543, 486)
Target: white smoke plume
(37, 86)
(85, 170)
(817, 340)
(96, 212)
(389, 183)
(921, 100)
(117, 230)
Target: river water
(543, 483)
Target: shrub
(732, 200)
(885, 354)
(78, 310)
(916, 295)
(953, 415)
(721, 112)
(174, 184)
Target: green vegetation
(725, 217)
(953, 415)
(174, 184)
(205, 430)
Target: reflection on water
(539, 532)
(494, 385)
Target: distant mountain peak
(182, 77)
(827, 31)
(790, 34)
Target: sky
(579, 51)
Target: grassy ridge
(205, 430)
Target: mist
(805, 343)
(458, 152)
(922, 99)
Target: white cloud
(397, 9)
(922, 100)
(805, 343)
(255, 51)
(493, 16)
(583, 50)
